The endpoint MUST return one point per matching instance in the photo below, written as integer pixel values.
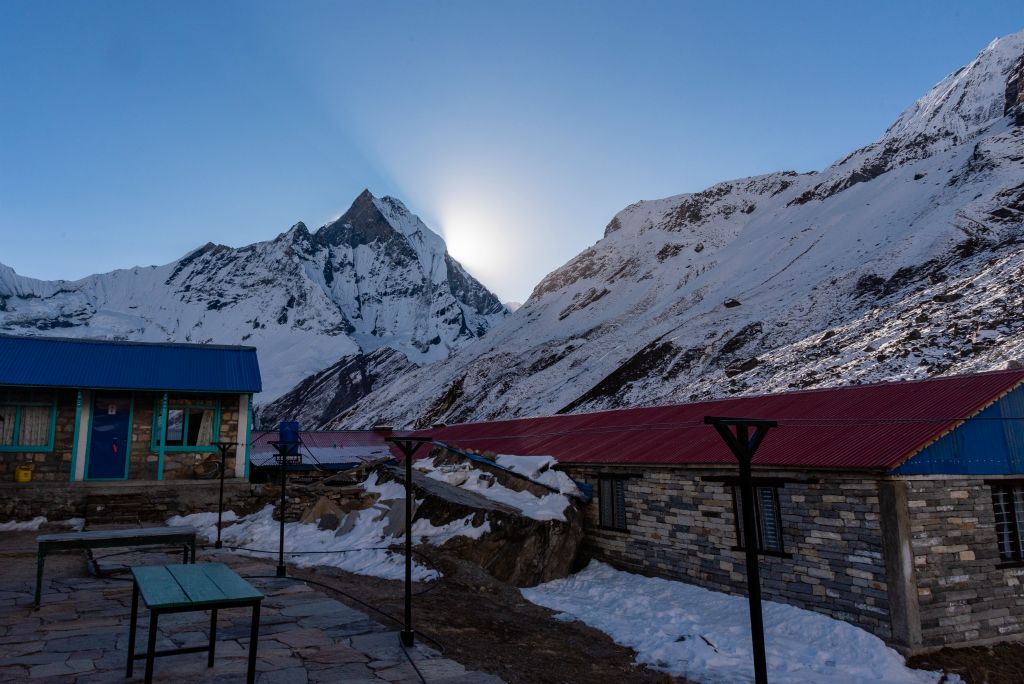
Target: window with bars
(27, 426)
(1008, 506)
(767, 520)
(611, 497)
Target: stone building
(91, 410)
(898, 507)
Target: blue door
(108, 446)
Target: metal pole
(753, 566)
(743, 448)
(281, 570)
(408, 447)
(407, 633)
(223, 446)
(283, 453)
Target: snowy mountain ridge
(904, 259)
(376, 277)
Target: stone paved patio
(80, 634)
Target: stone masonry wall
(681, 526)
(64, 500)
(48, 466)
(964, 595)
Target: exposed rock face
(780, 281)
(375, 278)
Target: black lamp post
(743, 447)
(287, 452)
(223, 446)
(408, 446)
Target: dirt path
(489, 626)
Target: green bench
(146, 536)
(187, 588)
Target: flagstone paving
(80, 633)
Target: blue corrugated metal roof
(103, 364)
(990, 443)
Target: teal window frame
(172, 405)
(33, 448)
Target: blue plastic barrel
(289, 434)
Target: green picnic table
(187, 588)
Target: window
(612, 501)
(192, 427)
(767, 520)
(1008, 506)
(27, 426)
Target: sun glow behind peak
(471, 238)
(479, 238)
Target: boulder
(318, 510)
(396, 516)
(328, 521)
(347, 523)
(517, 549)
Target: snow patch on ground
(425, 531)
(363, 550)
(76, 524)
(548, 507)
(704, 635)
(539, 469)
(22, 526)
(205, 523)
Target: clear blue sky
(133, 132)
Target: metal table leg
(213, 637)
(151, 649)
(40, 558)
(254, 635)
(131, 628)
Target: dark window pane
(1018, 510)
(620, 504)
(771, 534)
(175, 427)
(1006, 534)
(606, 502)
(767, 522)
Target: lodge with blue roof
(84, 410)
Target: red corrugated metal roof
(874, 426)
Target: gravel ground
(998, 664)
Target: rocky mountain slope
(376, 278)
(903, 259)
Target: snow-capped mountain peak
(902, 260)
(376, 277)
(966, 101)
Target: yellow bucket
(23, 473)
